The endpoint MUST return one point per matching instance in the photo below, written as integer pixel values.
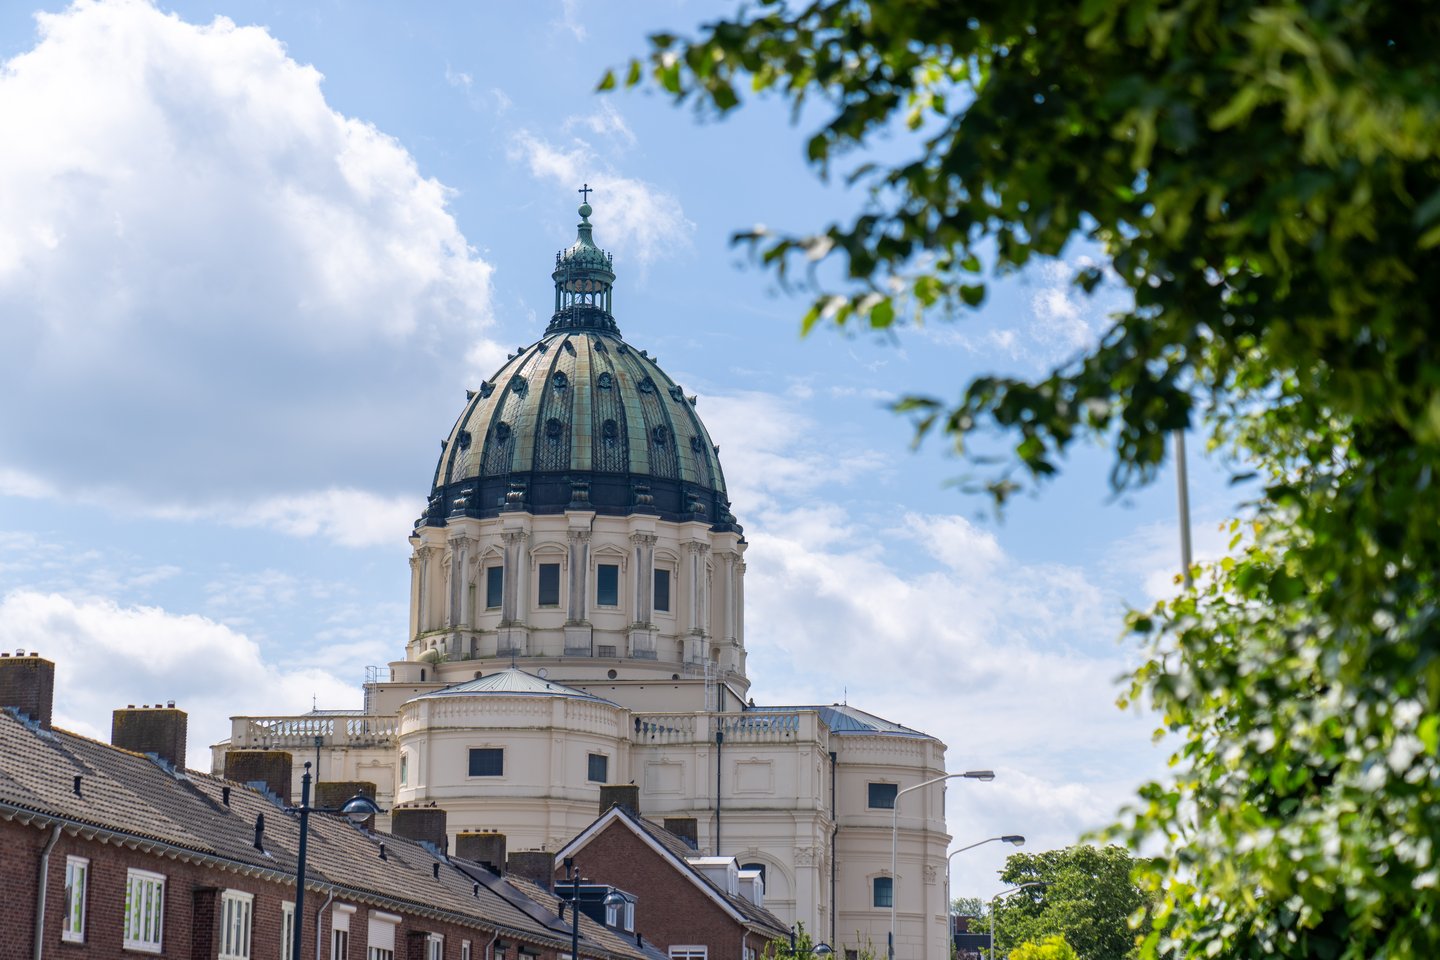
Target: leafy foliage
(1088, 899)
(1051, 948)
(968, 907)
(1264, 179)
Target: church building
(577, 620)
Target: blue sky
(252, 254)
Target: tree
(968, 907)
(1051, 948)
(1263, 179)
(1087, 899)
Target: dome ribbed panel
(582, 449)
(553, 425)
(610, 443)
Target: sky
(253, 253)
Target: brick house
(692, 906)
(114, 852)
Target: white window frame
(689, 951)
(435, 947)
(287, 928)
(72, 926)
(237, 910)
(146, 912)
(378, 922)
(340, 916)
(464, 950)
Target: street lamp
(357, 810)
(819, 950)
(1013, 838)
(984, 775)
(612, 899)
(1006, 893)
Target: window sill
(154, 949)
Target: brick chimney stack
(27, 683)
(268, 767)
(159, 730)
(426, 824)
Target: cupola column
(414, 595)
(697, 588)
(578, 633)
(513, 606)
(425, 623)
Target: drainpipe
(323, 907)
(490, 947)
(40, 893)
(719, 742)
(834, 831)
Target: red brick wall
(191, 907)
(671, 910)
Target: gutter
(44, 885)
(318, 914)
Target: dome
(580, 420)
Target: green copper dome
(580, 420)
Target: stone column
(423, 611)
(415, 595)
(514, 604)
(696, 597)
(642, 630)
(579, 573)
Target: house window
(487, 762)
(662, 590)
(144, 911)
(549, 583)
(287, 929)
(434, 947)
(340, 931)
(599, 768)
(77, 878)
(464, 950)
(621, 915)
(494, 587)
(381, 936)
(882, 795)
(884, 892)
(607, 585)
(404, 769)
(235, 910)
(755, 866)
(689, 952)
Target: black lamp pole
(357, 809)
(304, 810)
(574, 908)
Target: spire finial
(585, 192)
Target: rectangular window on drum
(494, 587)
(662, 590)
(487, 762)
(884, 892)
(607, 585)
(549, 582)
(599, 771)
(882, 796)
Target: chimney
(270, 768)
(686, 828)
(482, 846)
(426, 824)
(158, 730)
(27, 683)
(334, 794)
(537, 866)
(627, 796)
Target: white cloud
(604, 122)
(201, 259)
(636, 218)
(108, 656)
(351, 518)
(569, 20)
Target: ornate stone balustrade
(795, 726)
(268, 733)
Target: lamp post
(984, 775)
(1013, 838)
(612, 899)
(1006, 893)
(357, 810)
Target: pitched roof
(843, 718)
(93, 788)
(513, 682)
(674, 849)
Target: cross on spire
(585, 192)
